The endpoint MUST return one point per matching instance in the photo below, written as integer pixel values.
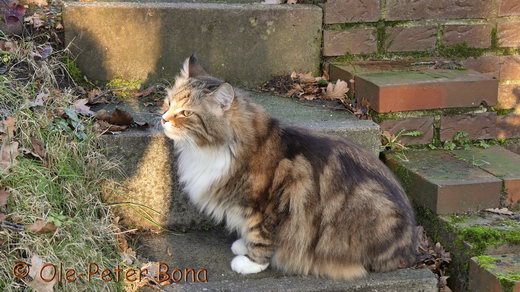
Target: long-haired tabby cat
(303, 202)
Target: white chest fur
(199, 169)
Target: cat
(304, 202)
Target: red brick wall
(483, 34)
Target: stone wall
(483, 34)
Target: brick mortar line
(410, 23)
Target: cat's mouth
(170, 131)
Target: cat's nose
(163, 120)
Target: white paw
(243, 265)
(239, 247)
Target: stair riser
(242, 43)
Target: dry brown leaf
(9, 126)
(8, 46)
(306, 77)
(337, 91)
(38, 146)
(102, 127)
(145, 92)
(41, 226)
(309, 97)
(129, 256)
(118, 117)
(4, 195)
(296, 90)
(8, 154)
(502, 211)
(81, 107)
(95, 96)
(39, 284)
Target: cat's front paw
(239, 247)
(243, 265)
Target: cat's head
(196, 109)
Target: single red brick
(346, 11)
(508, 34)
(486, 277)
(395, 91)
(437, 9)
(424, 124)
(413, 38)
(352, 41)
(509, 7)
(508, 96)
(489, 65)
(477, 36)
(477, 126)
(510, 67)
(508, 126)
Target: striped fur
(304, 202)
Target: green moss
(502, 112)
(381, 37)
(481, 237)
(486, 262)
(494, 38)
(73, 70)
(454, 218)
(507, 281)
(124, 88)
(460, 51)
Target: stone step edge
(191, 5)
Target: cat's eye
(186, 113)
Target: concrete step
(497, 273)
(148, 176)
(395, 87)
(245, 43)
(210, 250)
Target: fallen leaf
(306, 77)
(38, 283)
(292, 1)
(118, 117)
(145, 92)
(38, 146)
(10, 126)
(82, 108)
(14, 14)
(129, 256)
(7, 46)
(35, 19)
(3, 216)
(337, 91)
(41, 226)
(40, 99)
(502, 211)
(96, 96)
(59, 26)
(102, 127)
(4, 195)
(8, 154)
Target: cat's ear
(192, 68)
(224, 95)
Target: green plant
(392, 142)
